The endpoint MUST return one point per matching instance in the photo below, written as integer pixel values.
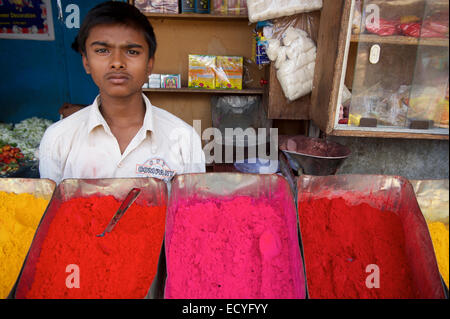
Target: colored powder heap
(440, 237)
(122, 264)
(214, 251)
(341, 240)
(19, 217)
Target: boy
(121, 134)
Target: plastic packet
(260, 10)
(157, 6)
(229, 7)
(202, 71)
(229, 70)
(216, 72)
(239, 112)
(293, 52)
(358, 25)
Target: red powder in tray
(213, 251)
(341, 240)
(122, 264)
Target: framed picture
(26, 20)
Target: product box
(187, 6)
(154, 81)
(237, 7)
(150, 6)
(170, 81)
(229, 71)
(201, 71)
(171, 6)
(202, 6)
(219, 7)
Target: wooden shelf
(414, 134)
(206, 91)
(195, 16)
(403, 40)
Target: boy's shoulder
(70, 124)
(165, 119)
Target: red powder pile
(122, 264)
(213, 251)
(341, 240)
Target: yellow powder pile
(439, 236)
(19, 218)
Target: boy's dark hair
(112, 12)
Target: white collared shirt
(82, 146)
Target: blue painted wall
(37, 77)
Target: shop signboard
(26, 20)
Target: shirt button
(120, 165)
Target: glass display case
(390, 76)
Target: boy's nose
(117, 61)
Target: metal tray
(154, 192)
(399, 197)
(223, 185)
(42, 188)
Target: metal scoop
(131, 197)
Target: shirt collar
(97, 119)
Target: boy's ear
(86, 66)
(150, 65)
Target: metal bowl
(313, 155)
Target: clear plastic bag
(260, 10)
(293, 51)
(239, 112)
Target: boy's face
(117, 59)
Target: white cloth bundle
(260, 10)
(295, 59)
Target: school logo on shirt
(156, 168)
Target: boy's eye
(101, 50)
(133, 52)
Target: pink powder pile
(231, 248)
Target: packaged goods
(201, 71)
(229, 72)
(150, 6)
(294, 57)
(202, 6)
(187, 6)
(171, 6)
(260, 10)
(383, 27)
(219, 7)
(229, 7)
(170, 81)
(154, 81)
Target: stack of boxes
(215, 72)
(165, 81)
(157, 6)
(229, 7)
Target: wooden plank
(329, 62)
(279, 107)
(205, 91)
(384, 134)
(402, 40)
(196, 16)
